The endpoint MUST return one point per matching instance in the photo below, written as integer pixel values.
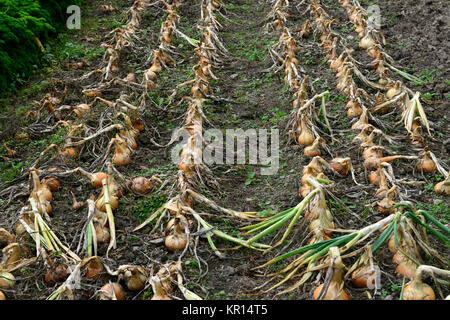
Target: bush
(23, 25)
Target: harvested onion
(7, 280)
(141, 185)
(111, 291)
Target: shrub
(23, 25)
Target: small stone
(234, 76)
(437, 201)
(388, 297)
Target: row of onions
(405, 231)
(397, 93)
(61, 263)
(408, 256)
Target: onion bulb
(121, 155)
(102, 233)
(367, 42)
(335, 289)
(96, 178)
(54, 275)
(94, 268)
(52, 183)
(12, 254)
(443, 187)
(5, 237)
(406, 268)
(395, 90)
(417, 290)
(111, 291)
(158, 289)
(313, 150)
(353, 109)
(2, 296)
(364, 277)
(306, 136)
(426, 165)
(341, 165)
(141, 185)
(76, 204)
(135, 279)
(7, 280)
(178, 239)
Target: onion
(374, 151)
(52, 183)
(354, 109)
(374, 177)
(97, 178)
(12, 254)
(2, 296)
(7, 280)
(335, 289)
(111, 291)
(131, 77)
(313, 150)
(386, 205)
(367, 42)
(102, 233)
(417, 290)
(135, 279)
(341, 165)
(141, 185)
(5, 237)
(178, 239)
(94, 268)
(76, 204)
(443, 187)
(426, 165)
(362, 122)
(70, 152)
(81, 110)
(406, 268)
(158, 289)
(306, 137)
(395, 90)
(121, 155)
(58, 274)
(364, 277)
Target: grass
(145, 207)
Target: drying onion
(52, 183)
(306, 137)
(7, 280)
(2, 296)
(417, 290)
(313, 150)
(178, 239)
(111, 291)
(335, 290)
(135, 279)
(5, 237)
(54, 275)
(141, 185)
(94, 268)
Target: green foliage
(144, 208)
(24, 24)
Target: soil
(249, 94)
